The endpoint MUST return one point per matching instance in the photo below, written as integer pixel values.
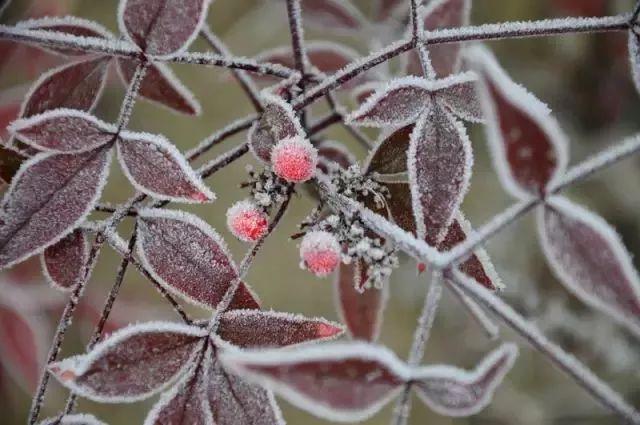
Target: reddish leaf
(10, 162)
(64, 131)
(338, 15)
(160, 85)
(49, 197)
(454, 392)
(478, 266)
(440, 161)
(187, 256)
(63, 263)
(77, 86)
(334, 154)
(385, 8)
(10, 102)
(389, 156)
(364, 91)
(528, 145)
(461, 97)
(162, 27)
(154, 166)
(361, 312)
(591, 261)
(133, 363)
(77, 419)
(342, 382)
(261, 329)
(278, 121)
(400, 206)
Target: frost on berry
(339, 15)
(294, 159)
(63, 263)
(320, 253)
(589, 258)
(246, 221)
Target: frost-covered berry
(320, 253)
(246, 221)
(294, 159)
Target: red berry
(320, 253)
(294, 159)
(246, 221)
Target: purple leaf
(278, 121)
(50, 196)
(361, 312)
(439, 163)
(162, 28)
(160, 85)
(400, 206)
(454, 392)
(389, 156)
(338, 15)
(342, 382)
(63, 131)
(530, 150)
(132, 364)
(154, 166)
(334, 154)
(261, 329)
(188, 257)
(589, 258)
(461, 97)
(77, 86)
(63, 263)
(76, 419)
(10, 162)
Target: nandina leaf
(133, 363)
(385, 8)
(64, 131)
(162, 27)
(589, 258)
(529, 148)
(48, 198)
(187, 256)
(461, 97)
(478, 266)
(338, 15)
(364, 91)
(389, 156)
(75, 419)
(278, 121)
(400, 206)
(154, 166)
(263, 329)
(361, 311)
(334, 154)
(160, 85)
(10, 162)
(342, 382)
(77, 86)
(454, 392)
(63, 262)
(439, 163)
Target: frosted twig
(219, 136)
(476, 312)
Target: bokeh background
(585, 80)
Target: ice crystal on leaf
(63, 263)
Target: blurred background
(585, 79)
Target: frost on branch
(340, 15)
(589, 258)
(63, 130)
(48, 198)
(160, 85)
(63, 263)
(356, 380)
(154, 166)
(132, 364)
(439, 163)
(77, 419)
(634, 57)
(188, 257)
(454, 392)
(162, 28)
(529, 148)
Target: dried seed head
(246, 221)
(294, 159)
(320, 253)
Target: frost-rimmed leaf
(63, 131)
(63, 262)
(132, 364)
(264, 329)
(389, 156)
(189, 258)
(455, 392)
(334, 154)
(462, 97)
(341, 382)
(364, 91)
(362, 312)
(340, 15)
(77, 86)
(160, 85)
(10, 162)
(439, 163)
(589, 258)
(278, 121)
(162, 28)
(529, 148)
(156, 167)
(76, 419)
(49, 197)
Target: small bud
(246, 221)
(320, 253)
(294, 159)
